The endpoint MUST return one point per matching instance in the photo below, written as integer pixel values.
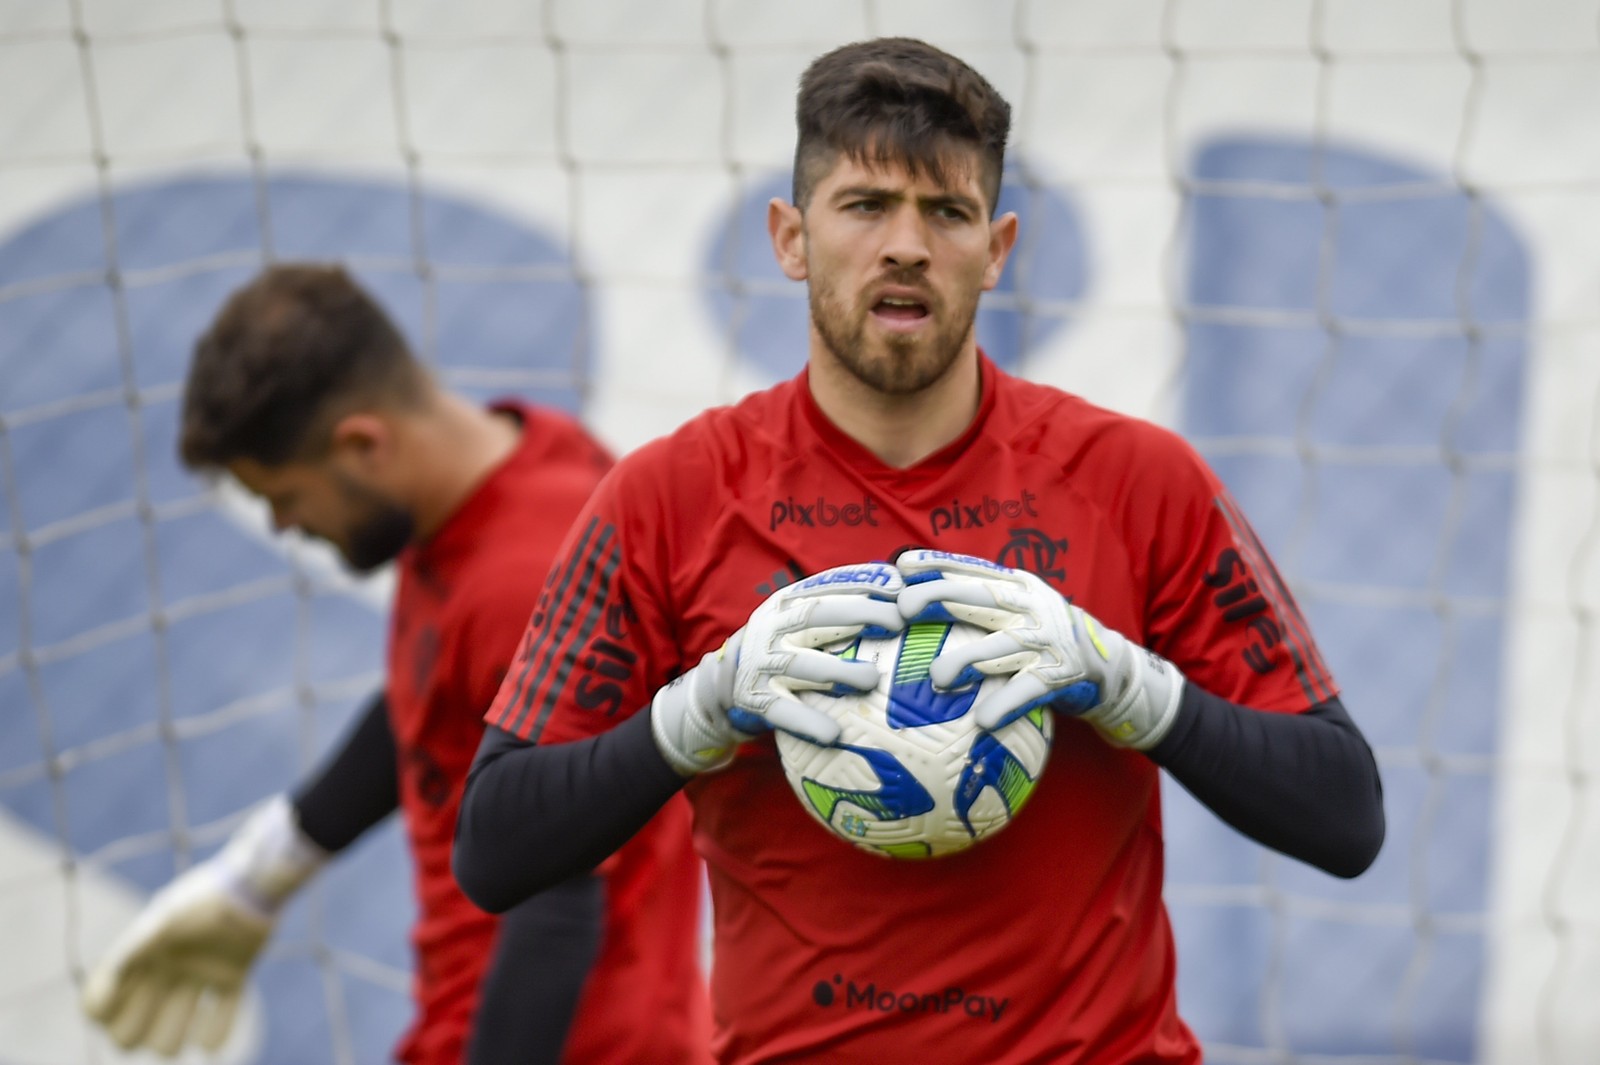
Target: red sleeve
(598, 644)
(1218, 608)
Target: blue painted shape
(67, 243)
(165, 482)
(239, 651)
(110, 797)
(222, 771)
(96, 444)
(1231, 1006)
(74, 689)
(181, 221)
(167, 314)
(10, 613)
(87, 579)
(183, 245)
(71, 325)
(1402, 522)
(763, 314)
(23, 741)
(291, 984)
(204, 553)
(310, 219)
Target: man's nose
(906, 239)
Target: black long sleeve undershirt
(357, 786)
(545, 946)
(543, 952)
(518, 831)
(1304, 784)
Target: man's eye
(866, 206)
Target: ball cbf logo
(853, 996)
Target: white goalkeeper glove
(177, 973)
(1054, 653)
(749, 684)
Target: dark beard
(380, 533)
(379, 538)
(901, 372)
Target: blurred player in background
(305, 392)
(1049, 941)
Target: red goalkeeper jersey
(1046, 943)
(464, 598)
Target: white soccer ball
(912, 776)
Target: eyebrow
(948, 199)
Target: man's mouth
(900, 312)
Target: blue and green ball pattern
(911, 776)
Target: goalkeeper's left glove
(177, 973)
(1054, 654)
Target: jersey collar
(485, 497)
(865, 462)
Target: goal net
(1348, 247)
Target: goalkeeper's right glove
(749, 683)
(177, 973)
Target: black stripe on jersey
(600, 572)
(1286, 604)
(1310, 670)
(556, 586)
(1271, 588)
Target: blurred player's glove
(177, 974)
(748, 684)
(1055, 654)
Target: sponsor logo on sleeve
(1250, 590)
(607, 664)
(1236, 593)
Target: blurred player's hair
(897, 100)
(289, 354)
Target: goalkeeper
(1154, 624)
(304, 390)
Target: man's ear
(363, 442)
(1002, 238)
(786, 227)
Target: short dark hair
(897, 100)
(287, 355)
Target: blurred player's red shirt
(1048, 942)
(463, 600)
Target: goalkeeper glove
(178, 972)
(1054, 654)
(749, 684)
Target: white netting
(1349, 247)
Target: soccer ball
(912, 776)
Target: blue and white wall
(1350, 248)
